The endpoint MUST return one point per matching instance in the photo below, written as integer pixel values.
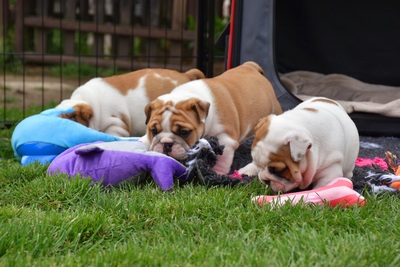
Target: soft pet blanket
(352, 94)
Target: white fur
(325, 143)
(198, 89)
(109, 105)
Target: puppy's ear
(149, 108)
(299, 143)
(82, 114)
(147, 111)
(200, 107)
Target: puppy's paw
(250, 169)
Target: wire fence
(49, 47)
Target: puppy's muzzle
(167, 148)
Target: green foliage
(6, 152)
(191, 23)
(8, 61)
(81, 44)
(219, 26)
(72, 70)
(55, 42)
(14, 115)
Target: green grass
(56, 221)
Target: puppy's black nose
(167, 147)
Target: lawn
(56, 221)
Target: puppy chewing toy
(339, 192)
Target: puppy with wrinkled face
(227, 106)
(312, 144)
(115, 104)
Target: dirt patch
(20, 91)
(34, 89)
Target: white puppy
(312, 144)
(115, 104)
(227, 106)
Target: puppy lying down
(115, 105)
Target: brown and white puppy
(312, 144)
(227, 106)
(115, 104)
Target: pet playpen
(49, 47)
(338, 49)
(345, 50)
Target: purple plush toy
(114, 162)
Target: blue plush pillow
(43, 136)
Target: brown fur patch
(127, 81)
(261, 129)
(324, 100)
(282, 157)
(151, 108)
(198, 106)
(187, 116)
(158, 81)
(311, 109)
(82, 114)
(242, 97)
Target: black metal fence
(49, 47)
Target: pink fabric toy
(361, 162)
(339, 192)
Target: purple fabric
(114, 166)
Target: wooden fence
(49, 47)
(125, 34)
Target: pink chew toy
(339, 192)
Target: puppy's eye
(154, 131)
(272, 170)
(184, 133)
(276, 168)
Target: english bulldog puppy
(227, 106)
(115, 104)
(311, 144)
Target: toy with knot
(383, 179)
(393, 165)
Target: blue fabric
(44, 133)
